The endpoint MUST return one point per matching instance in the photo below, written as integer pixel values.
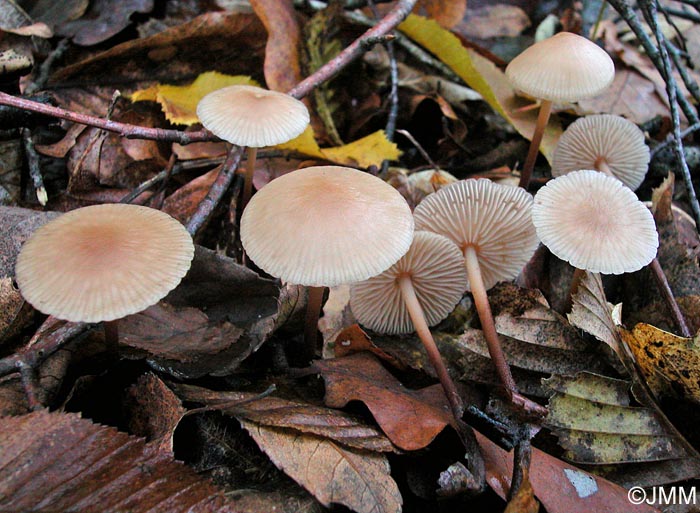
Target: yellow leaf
(370, 150)
(179, 103)
(481, 75)
(668, 362)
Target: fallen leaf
(275, 412)
(492, 21)
(336, 316)
(179, 103)
(369, 150)
(56, 13)
(282, 68)
(13, 314)
(524, 500)
(410, 418)
(333, 474)
(154, 411)
(16, 225)
(561, 487)
(184, 202)
(481, 75)
(104, 19)
(446, 12)
(670, 364)
(88, 464)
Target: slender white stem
(415, 311)
(602, 165)
(248, 181)
(542, 118)
(481, 301)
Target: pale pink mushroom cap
(603, 137)
(493, 218)
(103, 262)
(563, 68)
(436, 267)
(595, 222)
(326, 225)
(252, 116)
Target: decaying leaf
(154, 411)
(670, 364)
(282, 67)
(333, 474)
(446, 12)
(16, 225)
(364, 152)
(275, 412)
(91, 466)
(524, 500)
(481, 75)
(179, 103)
(410, 418)
(13, 314)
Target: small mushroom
(595, 223)
(418, 291)
(491, 225)
(604, 142)
(103, 262)
(325, 225)
(252, 117)
(563, 68)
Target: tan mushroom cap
(563, 68)
(594, 222)
(252, 116)
(617, 142)
(493, 218)
(436, 267)
(326, 225)
(103, 262)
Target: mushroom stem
(483, 308)
(248, 181)
(313, 311)
(420, 324)
(542, 118)
(602, 165)
(111, 329)
(670, 299)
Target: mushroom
(595, 223)
(563, 68)
(102, 263)
(253, 117)
(325, 225)
(491, 225)
(604, 142)
(418, 291)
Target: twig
(160, 195)
(652, 51)
(354, 50)
(42, 76)
(216, 192)
(665, 289)
(681, 14)
(688, 80)
(669, 139)
(34, 167)
(123, 129)
(649, 10)
(420, 149)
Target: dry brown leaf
(12, 314)
(16, 225)
(183, 203)
(446, 12)
(282, 68)
(104, 19)
(175, 54)
(410, 418)
(153, 410)
(491, 21)
(276, 412)
(333, 474)
(524, 500)
(60, 462)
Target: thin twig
(42, 76)
(669, 139)
(652, 51)
(665, 289)
(649, 10)
(420, 149)
(34, 167)
(123, 129)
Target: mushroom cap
(103, 262)
(594, 222)
(326, 225)
(493, 218)
(613, 139)
(563, 68)
(252, 116)
(436, 267)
